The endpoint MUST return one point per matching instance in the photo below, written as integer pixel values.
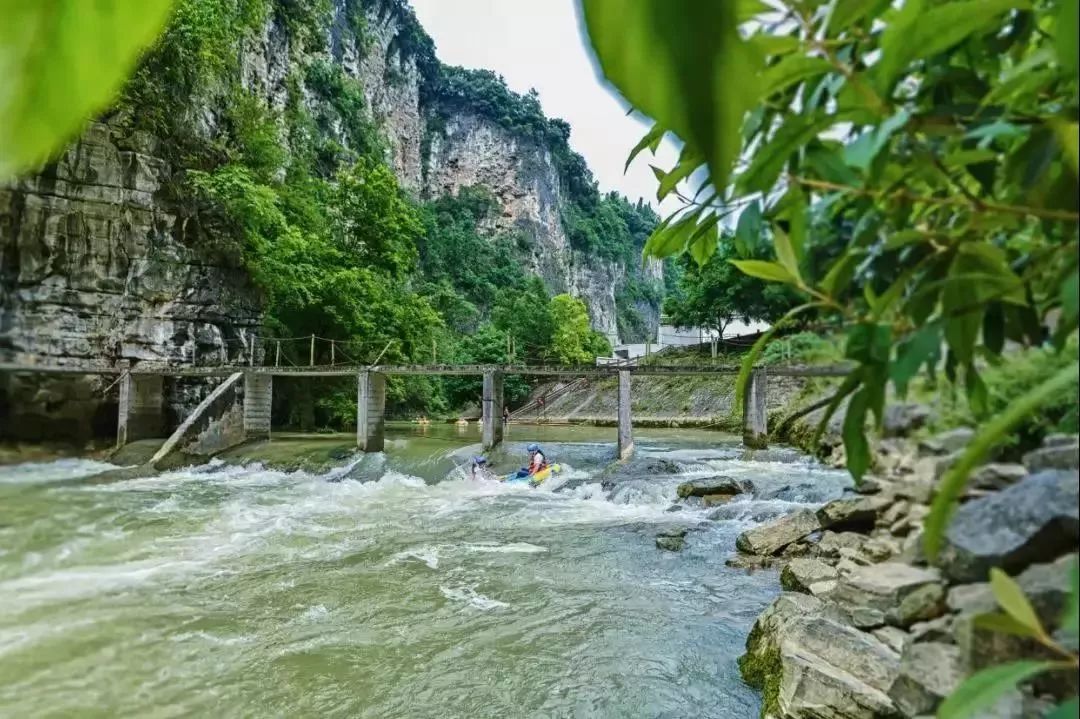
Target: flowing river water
(393, 586)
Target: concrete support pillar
(371, 411)
(755, 418)
(258, 398)
(141, 410)
(492, 407)
(626, 432)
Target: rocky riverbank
(867, 628)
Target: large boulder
(1047, 588)
(809, 663)
(767, 539)
(929, 672)
(800, 574)
(1062, 453)
(711, 486)
(947, 442)
(854, 513)
(890, 593)
(1035, 520)
(997, 476)
(903, 419)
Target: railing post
(755, 415)
(277, 354)
(626, 432)
(333, 353)
(311, 361)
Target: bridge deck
(149, 368)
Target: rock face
(770, 538)
(809, 663)
(99, 263)
(890, 593)
(1034, 520)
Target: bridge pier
(141, 410)
(755, 416)
(492, 408)
(626, 431)
(258, 397)
(370, 411)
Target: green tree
(572, 338)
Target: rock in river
(800, 574)
(772, 537)
(672, 541)
(856, 513)
(1035, 520)
(809, 663)
(890, 593)
(929, 672)
(710, 486)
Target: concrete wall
(258, 395)
(371, 411)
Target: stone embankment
(867, 628)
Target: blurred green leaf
(1068, 19)
(861, 153)
(1068, 710)
(703, 241)
(923, 347)
(981, 690)
(785, 253)
(767, 162)
(689, 162)
(856, 448)
(991, 434)
(792, 69)
(1011, 598)
(772, 271)
(921, 30)
(1004, 624)
(62, 61)
(747, 366)
(679, 72)
(748, 230)
(1071, 621)
(869, 343)
(650, 141)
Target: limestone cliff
(101, 261)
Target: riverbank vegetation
(299, 192)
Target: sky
(542, 45)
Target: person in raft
(537, 462)
(480, 468)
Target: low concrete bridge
(141, 407)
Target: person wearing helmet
(537, 460)
(480, 468)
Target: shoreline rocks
(865, 629)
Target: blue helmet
(534, 447)
(479, 461)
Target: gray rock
(902, 419)
(831, 543)
(870, 485)
(811, 664)
(1047, 588)
(1058, 456)
(673, 540)
(895, 512)
(890, 593)
(852, 513)
(935, 630)
(1059, 440)
(799, 574)
(997, 476)
(946, 442)
(1035, 520)
(881, 548)
(929, 672)
(770, 538)
(709, 486)
(893, 637)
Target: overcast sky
(541, 45)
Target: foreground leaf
(982, 689)
(751, 357)
(1068, 710)
(1011, 598)
(856, 447)
(771, 271)
(62, 61)
(679, 72)
(1003, 624)
(952, 484)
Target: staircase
(532, 407)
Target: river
(392, 586)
